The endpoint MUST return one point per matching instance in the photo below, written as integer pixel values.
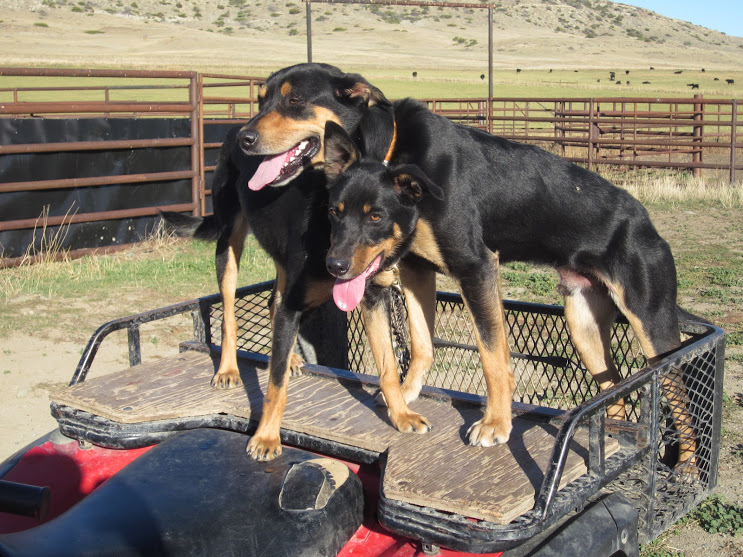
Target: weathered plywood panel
(496, 483)
(437, 469)
(165, 389)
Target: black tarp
(80, 164)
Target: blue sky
(720, 15)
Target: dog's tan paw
(295, 364)
(226, 379)
(410, 422)
(263, 448)
(488, 433)
(686, 472)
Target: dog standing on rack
(456, 199)
(269, 180)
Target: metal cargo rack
(634, 457)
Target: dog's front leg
(377, 327)
(482, 294)
(266, 442)
(419, 286)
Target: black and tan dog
(269, 180)
(455, 199)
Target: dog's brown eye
(294, 100)
(375, 217)
(333, 211)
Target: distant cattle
(415, 74)
(693, 85)
(730, 81)
(518, 70)
(678, 72)
(652, 68)
(717, 79)
(626, 72)
(646, 83)
(482, 76)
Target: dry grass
(682, 189)
(47, 266)
(43, 255)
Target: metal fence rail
(689, 134)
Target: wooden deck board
(437, 469)
(495, 483)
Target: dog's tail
(200, 228)
(688, 317)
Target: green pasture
(398, 84)
(557, 83)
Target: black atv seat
(198, 493)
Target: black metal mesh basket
(549, 374)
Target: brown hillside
(254, 36)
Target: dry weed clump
(677, 188)
(44, 255)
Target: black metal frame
(639, 470)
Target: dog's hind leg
(229, 250)
(590, 314)
(656, 329)
(481, 291)
(419, 286)
(377, 328)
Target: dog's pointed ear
(340, 150)
(353, 86)
(411, 182)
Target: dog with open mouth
(270, 180)
(457, 200)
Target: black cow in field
(730, 81)
(693, 85)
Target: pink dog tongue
(268, 170)
(348, 293)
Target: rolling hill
(252, 37)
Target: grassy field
(158, 271)
(398, 84)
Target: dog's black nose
(337, 267)
(247, 138)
